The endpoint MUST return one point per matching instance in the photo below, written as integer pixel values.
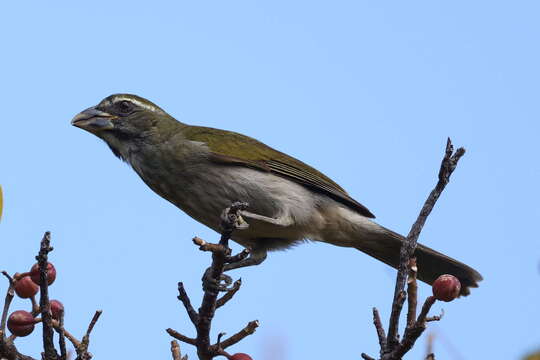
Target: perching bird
(203, 170)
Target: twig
(82, 349)
(208, 306)
(436, 317)
(35, 306)
(76, 343)
(48, 333)
(393, 349)
(425, 309)
(7, 347)
(212, 284)
(175, 334)
(239, 336)
(204, 246)
(183, 296)
(412, 291)
(380, 330)
(393, 326)
(229, 294)
(219, 337)
(62, 336)
(9, 351)
(9, 297)
(413, 332)
(448, 165)
(93, 322)
(175, 350)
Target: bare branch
(9, 297)
(412, 333)
(239, 336)
(393, 349)
(81, 347)
(229, 294)
(175, 334)
(448, 165)
(204, 246)
(183, 296)
(412, 292)
(48, 333)
(62, 339)
(215, 281)
(7, 348)
(393, 326)
(436, 317)
(175, 350)
(93, 322)
(380, 330)
(425, 309)
(9, 351)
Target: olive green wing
(232, 148)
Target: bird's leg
(256, 257)
(283, 221)
(258, 254)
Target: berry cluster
(26, 285)
(50, 313)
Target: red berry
(241, 356)
(51, 273)
(446, 287)
(21, 323)
(56, 308)
(26, 288)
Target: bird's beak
(93, 120)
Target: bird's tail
(386, 245)
(353, 230)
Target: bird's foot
(231, 219)
(217, 285)
(256, 257)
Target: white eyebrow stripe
(136, 102)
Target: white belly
(204, 190)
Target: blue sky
(367, 92)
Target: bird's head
(124, 121)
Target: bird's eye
(125, 107)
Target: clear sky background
(366, 92)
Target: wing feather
(237, 149)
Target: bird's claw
(231, 218)
(221, 285)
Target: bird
(204, 170)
